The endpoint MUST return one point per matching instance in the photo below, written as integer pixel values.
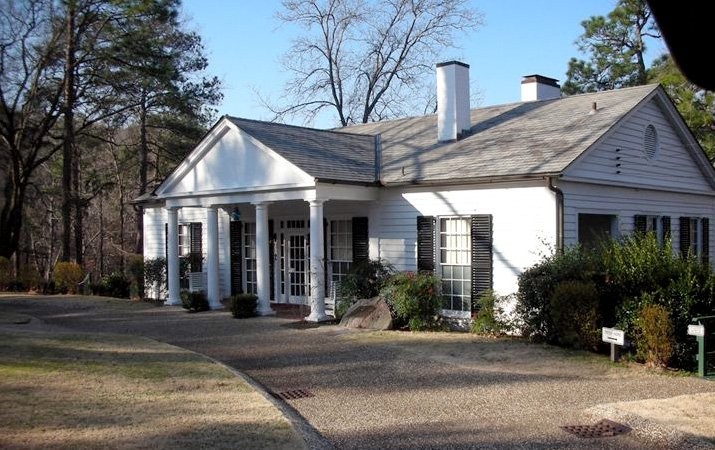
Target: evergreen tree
(696, 105)
(616, 48)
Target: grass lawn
(99, 391)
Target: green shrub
(66, 276)
(6, 276)
(30, 278)
(654, 335)
(414, 299)
(490, 318)
(135, 270)
(574, 313)
(627, 274)
(364, 280)
(155, 277)
(244, 305)
(194, 301)
(537, 285)
(113, 285)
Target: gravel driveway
(393, 390)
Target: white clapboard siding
(524, 218)
(233, 161)
(672, 168)
(628, 202)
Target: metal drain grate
(604, 428)
(293, 394)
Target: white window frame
(184, 239)
(696, 236)
(346, 245)
(655, 224)
(453, 244)
(250, 264)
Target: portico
(290, 226)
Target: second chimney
(537, 87)
(453, 116)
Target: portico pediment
(229, 159)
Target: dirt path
(395, 390)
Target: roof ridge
(651, 86)
(323, 130)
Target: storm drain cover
(604, 428)
(293, 394)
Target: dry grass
(688, 413)
(99, 391)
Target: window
(658, 225)
(455, 265)
(341, 250)
(650, 144)
(184, 239)
(594, 228)
(695, 237)
(249, 252)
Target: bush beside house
(194, 301)
(567, 297)
(243, 305)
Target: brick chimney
(537, 87)
(452, 100)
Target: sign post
(699, 332)
(613, 337)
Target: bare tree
(366, 61)
(30, 105)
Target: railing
(197, 281)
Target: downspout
(559, 215)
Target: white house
(476, 195)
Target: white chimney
(537, 87)
(452, 100)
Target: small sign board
(613, 336)
(696, 330)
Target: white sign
(696, 330)
(613, 336)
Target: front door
(297, 267)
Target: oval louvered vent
(651, 142)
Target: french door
(297, 277)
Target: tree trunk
(79, 207)
(101, 236)
(11, 217)
(67, 149)
(143, 173)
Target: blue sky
(245, 42)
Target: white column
(263, 276)
(317, 267)
(212, 290)
(172, 241)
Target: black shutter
(236, 261)
(639, 224)
(196, 251)
(482, 266)
(361, 244)
(326, 230)
(425, 243)
(684, 236)
(271, 259)
(665, 226)
(706, 240)
(166, 243)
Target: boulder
(372, 313)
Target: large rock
(371, 313)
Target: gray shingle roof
(320, 153)
(517, 139)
